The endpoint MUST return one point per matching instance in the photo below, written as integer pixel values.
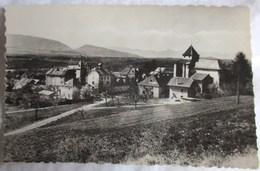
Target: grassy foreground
(215, 138)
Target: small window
(182, 90)
(93, 82)
(107, 82)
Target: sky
(210, 29)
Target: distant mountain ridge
(172, 53)
(23, 44)
(18, 45)
(30, 45)
(91, 50)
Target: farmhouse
(100, 78)
(203, 81)
(58, 76)
(181, 87)
(155, 86)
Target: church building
(193, 74)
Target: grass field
(20, 118)
(214, 132)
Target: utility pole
(238, 85)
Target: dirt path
(51, 119)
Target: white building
(58, 76)
(181, 87)
(210, 67)
(99, 78)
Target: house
(203, 81)
(100, 78)
(119, 80)
(58, 76)
(155, 86)
(24, 82)
(211, 67)
(130, 72)
(67, 90)
(181, 87)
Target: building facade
(58, 76)
(181, 87)
(155, 86)
(100, 78)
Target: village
(190, 79)
(142, 85)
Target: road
(52, 119)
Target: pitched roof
(199, 76)
(102, 71)
(180, 82)
(155, 80)
(24, 81)
(191, 52)
(46, 92)
(128, 70)
(162, 70)
(57, 71)
(209, 64)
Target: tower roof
(191, 52)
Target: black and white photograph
(145, 85)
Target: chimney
(100, 65)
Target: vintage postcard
(165, 85)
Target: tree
(35, 100)
(241, 64)
(133, 95)
(149, 66)
(241, 70)
(111, 93)
(76, 94)
(86, 92)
